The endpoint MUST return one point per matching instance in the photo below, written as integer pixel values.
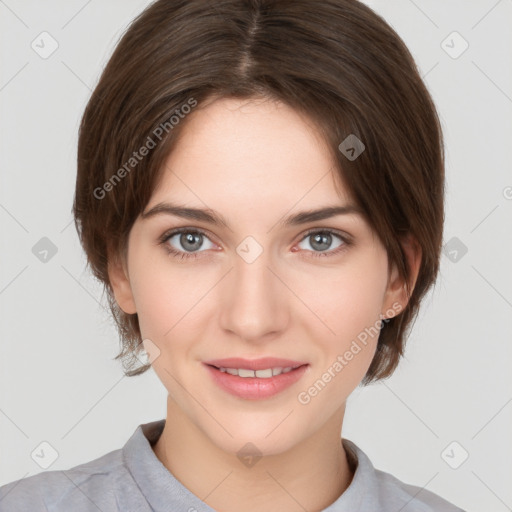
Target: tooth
(264, 374)
(242, 372)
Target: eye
(320, 240)
(187, 242)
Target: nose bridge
(254, 303)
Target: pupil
(189, 239)
(321, 238)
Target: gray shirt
(133, 479)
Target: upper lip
(254, 364)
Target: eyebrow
(212, 217)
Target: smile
(255, 384)
(261, 374)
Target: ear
(396, 292)
(120, 282)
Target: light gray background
(58, 382)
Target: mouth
(266, 373)
(255, 380)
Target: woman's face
(258, 286)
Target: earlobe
(397, 292)
(121, 287)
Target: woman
(260, 190)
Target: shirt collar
(164, 492)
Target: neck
(310, 476)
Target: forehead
(250, 154)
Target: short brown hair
(336, 61)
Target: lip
(255, 388)
(254, 364)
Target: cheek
(348, 302)
(161, 296)
(349, 299)
(349, 309)
(171, 301)
(154, 301)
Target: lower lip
(254, 388)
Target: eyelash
(347, 242)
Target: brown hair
(336, 61)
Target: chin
(272, 435)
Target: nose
(254, 300)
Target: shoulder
(412, 498)
(78, 488)
(375, 489)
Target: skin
(255, 161)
